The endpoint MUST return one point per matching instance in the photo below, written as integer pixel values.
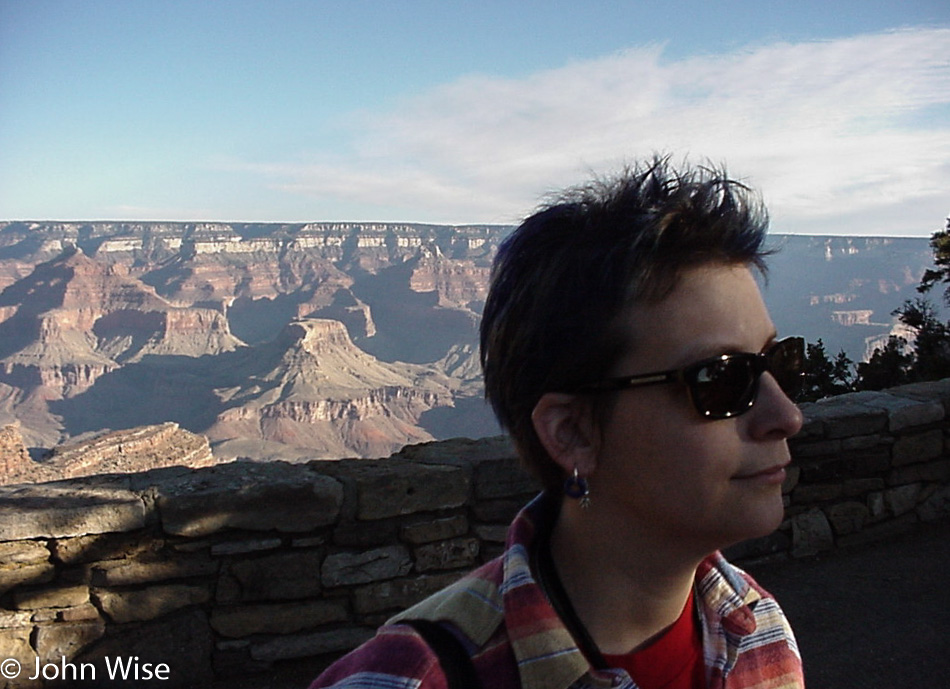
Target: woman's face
(705, 483)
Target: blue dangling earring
(576, 487)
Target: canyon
(292, 342)
(310, 340)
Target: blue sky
(453, 112)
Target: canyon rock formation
(318, 340)
(274, 341)
(14, 458)
(116, 452)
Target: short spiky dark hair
(562, 278)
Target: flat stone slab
(396, 487)
(858, 413)
(248, 495)
(68, 508)
(349, 568)
(903, 412)
(307, 645)
(152, 602)
(23, 552)
(279, 618)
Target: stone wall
(223, 572)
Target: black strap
(544, 570)
(453, 658)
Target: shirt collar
(547, 655)
(726, 594)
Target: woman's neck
(625, 587)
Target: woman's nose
(773, 416)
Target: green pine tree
(887, 367)
(824, 377)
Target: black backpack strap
(454, 659)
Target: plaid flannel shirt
(516, 640)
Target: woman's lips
(772, 474)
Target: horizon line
(405, 222)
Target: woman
(629, 354)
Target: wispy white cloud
(841, 135)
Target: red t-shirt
(672, 661)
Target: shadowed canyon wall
(243, 568)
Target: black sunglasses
(725, 386)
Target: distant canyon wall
(317, 340)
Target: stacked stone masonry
(227, 571)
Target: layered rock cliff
(117, 452)
(274, 340)
(216, 327)
(313, 393)
(74, 319)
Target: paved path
(874, 616)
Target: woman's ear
(565, 426)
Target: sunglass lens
(725, 387)
(786, 363)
